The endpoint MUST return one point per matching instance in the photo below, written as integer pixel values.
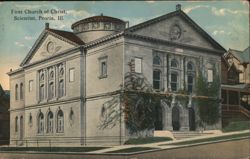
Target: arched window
(42, 77)
(157, 60)
(174, 81)
(50, 122)
(60, 122)
(157, 79)
(41, 93)
(51, 90)
(51, 75)
(40, 123)
(16, 92)
(61, 88)
(16, 124)
(190, 82)
(21, 91)
(190, 66)
(174, 63)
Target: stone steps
(178, 135)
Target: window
(51, 90)
(157, 79)
(51, 75)
(138, 65)
(190, 83)
(103, 67)
(60, 122)
(16, 124)
(210, 75)
(30, 85)
(174, 63)
(16, 92)
(61, 88)
(190, 66)
(50, 122)
(40, 123)
(71, 75)
(157, 60)
(61, 72)
(30, 119)
(41, 93)
(42, 77)
(21, 91)
(174, 81)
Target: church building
(59, 92)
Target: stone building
(59, 92)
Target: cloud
(191, 8)
(150, 1)
(19, 44)
(221, 32)
(28, 6)
(28, 37)
(79, 14)
(245, 2)
(224, 11)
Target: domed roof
(100, 18)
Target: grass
(237, 126)
(52, 149)
(146, 140)
(132, 149)
(211, 139)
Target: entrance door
(191, 114)
(176, 118)
(158, 118)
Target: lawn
(52, 149)
(211, 139)
(146, 140)
(237, 126)
(132, 149)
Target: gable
(176, 27)
(49, 47)
(51, 42)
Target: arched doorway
(176, 118)
(191, 114)
(158, 117)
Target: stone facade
(59, 93)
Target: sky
(226, 21)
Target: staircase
(178, 135)
(234, 113)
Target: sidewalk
(166, 144)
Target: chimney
(46, 25)
(178, 7)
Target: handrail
(236, 108)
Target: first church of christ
(59, 91)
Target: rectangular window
(30, 85)
(71, 75)
(210, 75)
(138, 65)
(190, 83)
(174, 78)
(157, 79)
(103, 67)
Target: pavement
(167, 144)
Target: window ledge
(103, 76)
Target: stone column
(185, 116)
(184, 120)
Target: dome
(95, 27)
